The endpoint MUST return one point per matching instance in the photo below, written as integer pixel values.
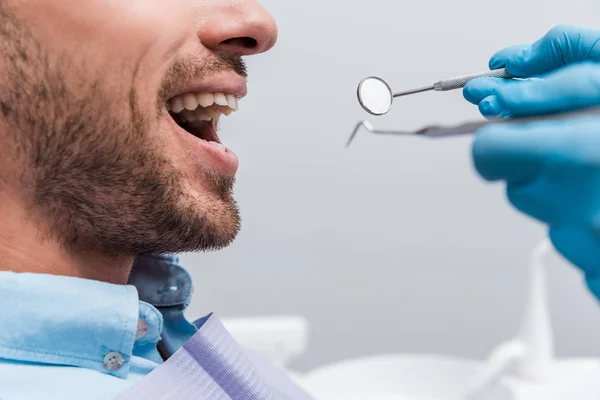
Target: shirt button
(113, 361)
(142, 329)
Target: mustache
(218, 63)
(192, 69)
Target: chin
(216, 225)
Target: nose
(239, 27)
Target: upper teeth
(202, 106)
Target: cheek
(169, 145)
(183, 160)
(114, 39)
(114, 27)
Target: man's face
(107, 115)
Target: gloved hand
(551, 168)
(561, 46)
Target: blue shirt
(68, 338)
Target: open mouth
(199, 113)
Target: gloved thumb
(562, 45)
(518, 152)
(570, 88)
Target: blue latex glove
(551, 169)
(561, 46)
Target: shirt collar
(161, 281)
(75, 322)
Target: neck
(24, 248)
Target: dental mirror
(375, 96)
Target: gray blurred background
(394, 245)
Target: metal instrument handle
(472, 127)
(460, 81)
(442, 131)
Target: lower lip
(223, 160)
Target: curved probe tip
(356, 129)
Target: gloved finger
(581, 246)
(514, 153)
(567, 189)
(571, 88)
(517, 153)
(499, 59)
(562, 45)
(526, 198)
(482, 91)
(490, 107)
(478, 89)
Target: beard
(87, 170)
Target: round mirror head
(375, 96)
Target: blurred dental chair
(276, 339)
(523, 368)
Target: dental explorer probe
(440, 131)
(376, 97)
